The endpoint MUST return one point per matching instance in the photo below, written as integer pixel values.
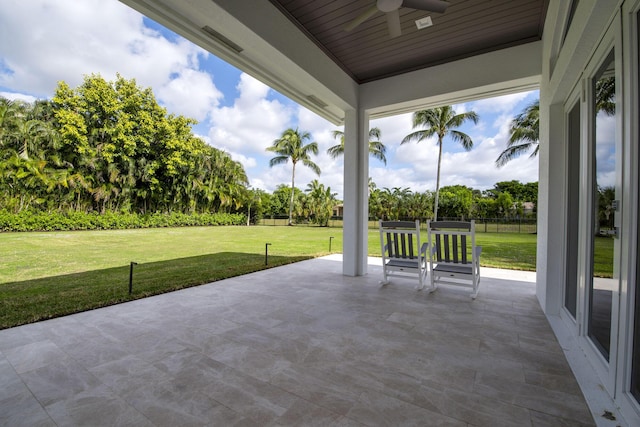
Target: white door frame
(611, 41)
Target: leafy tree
(504, 204)
(441, 122)
(530, 192)
(515, 188)
(456, 201)
(291, 147)
(255, 200)
(418, 205)
(376, 148)
(281, 197)
(399, 203)
(520, 193)
(321, 202)
(108, 146)
(485, 207)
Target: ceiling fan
(391, 9)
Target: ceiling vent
(221, 39)
(424, 22)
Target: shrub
(56, 221)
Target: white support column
(356, 197)
(551, 207)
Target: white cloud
(247, 162)
(252, 123)
(179, 94)
(13, 96)
(44, 42)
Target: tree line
(507, 199)
(109, 146)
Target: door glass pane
(573, 207)
(603, 281)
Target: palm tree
(376, 147)
(441, 121)
(524, 134)
(524, 129)
(291, 146)
(321, 201)
(11, 113)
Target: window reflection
(603, 282)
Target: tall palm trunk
(435, 209)
(293, 177)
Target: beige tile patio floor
(297, 345)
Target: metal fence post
(131, 276)
(266, 253)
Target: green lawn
(44, 275)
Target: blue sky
(43, 42)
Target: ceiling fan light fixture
(424, 22)
(388, 5)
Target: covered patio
(301, 344)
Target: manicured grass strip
(44, 275)
(32, 300)
(508, 250)
(26, 256)
(603, 256)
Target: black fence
(483, 225)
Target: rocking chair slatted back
(402, 252)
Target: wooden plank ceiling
(367, 53)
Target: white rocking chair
(402, 253)
(454, 258)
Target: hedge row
(54, 221)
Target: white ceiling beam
(496, 73)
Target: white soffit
(501, 72)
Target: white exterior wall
(597, 27)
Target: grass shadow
(46, 298)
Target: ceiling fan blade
(360, 19)
(393, 23)
(438, 6)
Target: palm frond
(278, 160)
(336, 151)
(514, 151)
(308, 163)
(523, 134)
(461, 137)
(419, 135)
